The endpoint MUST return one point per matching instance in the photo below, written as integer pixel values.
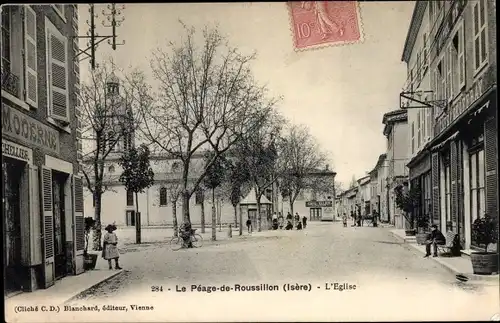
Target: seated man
(435, 238)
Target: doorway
(58, 197)
(13, 171)
(130, 218)
(252, 215)
(314, 214)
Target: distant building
(378, 192)
(396, 132)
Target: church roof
(251, 198)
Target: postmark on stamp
(324, 23)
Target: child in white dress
(110, 250)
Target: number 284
(157, 288)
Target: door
(12, 173)
(130, 218)
(314, 214)
(59, 225)
(252, 215)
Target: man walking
(435, 238)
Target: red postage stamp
(324, 23)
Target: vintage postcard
(252, 161)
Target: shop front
(43, 205)
(464, 169)
(320, 210)
(420, 178)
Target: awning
(446, 141)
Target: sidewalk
(456, 265)
(63, 289)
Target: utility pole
(115, 18)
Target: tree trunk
(214, 218)
(96, 236)
(137, 220)
(203, 215)
(241, 222)
(174, 218)
(235, 216)
(185, 207)
(259, 216)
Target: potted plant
(484, 233)
(422, 228)
(407, 200)
(90, 259)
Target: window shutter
(461, 57)
(491, 165)
(78, 214)
(454, 182)
(48, 225)
(30, 57)
(58, 76)
(435, 188)
(32, 254)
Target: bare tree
(301, 158)
(108, 123)
(207, 100)
(258, 153)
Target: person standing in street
(249, 225)
(344, 220)
(110, 249)
(304, 221)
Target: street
(392, 281)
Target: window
(456, 59)
(130, 198)
(61, 10)
(57, 74)
(477, 181)
(419, 72)
(425, 56)
(176, 167)
(6, 34)
(163, 196)
(480, 32)
(413, 137)
(130, 218)
(199, 197)
(448, 65)
(14, 69)
(441, 80)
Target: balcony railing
(10, 82)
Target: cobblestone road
(393, 281)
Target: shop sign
(464, 101)
(12, 150)
(30, 131)
(317, 204)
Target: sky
(340, 92)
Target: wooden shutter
(461, 57)
(57, 75)
(30, 57)
(48, 225)
(30, 222)
(78, 214)
(454, 186)
(436, 207)
(491, 165)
